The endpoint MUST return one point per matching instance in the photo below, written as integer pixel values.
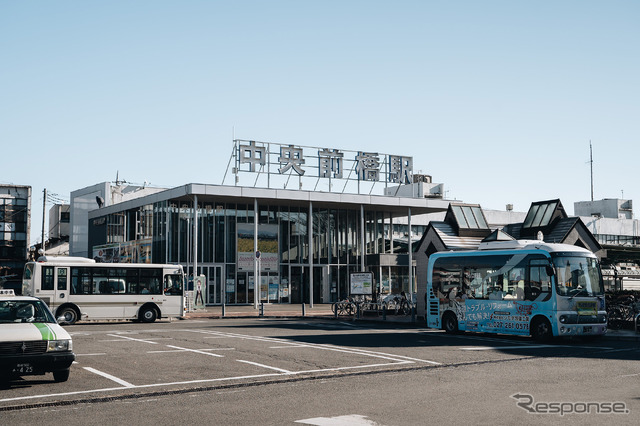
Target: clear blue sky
(498, 100)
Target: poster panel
(361, 282)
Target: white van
(31, 341)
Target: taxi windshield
(12, 311)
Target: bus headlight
(563, 319)
(59, 345)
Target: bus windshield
(577, 275)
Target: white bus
(78, 288)
(517, 287)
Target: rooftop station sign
(317, 166)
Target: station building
(294, 245)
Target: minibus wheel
(541, 329)
(450, 323)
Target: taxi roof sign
(7, 292)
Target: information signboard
(361, 282)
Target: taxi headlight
(59, 345)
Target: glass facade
(305, 253)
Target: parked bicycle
(623, 312)
(344, 307)
(398, 304)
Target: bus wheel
(450, 323)
(61, 375)
(69, 314)
(148, 314)
(541, 329)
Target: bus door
(54, 285)
(173, 293)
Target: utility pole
(44, 209)
(591, 162)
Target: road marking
(201, 381)
(131, 338)
(354, 351)
(351, 419)
(110, 377)
(195, 351)
(290, 347)
(265, 366)
(183, 350)
(489, 348)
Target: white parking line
(195, 351)
(290, 346)
(489, 348)
(200, 381)
(110, 377)
(349, 420)
(184, 350)
(265, 366)
(322, 347)
(131, 338)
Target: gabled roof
(542, 216)
(561, 230)
(498, 235)
(452, 240)
(467, 220)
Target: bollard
(303, 310)
(384, 312)
(223, 309)
(261, 309)
(413, 314)
(335, 310)
(357, 311)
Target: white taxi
(31, 341)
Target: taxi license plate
(23, 368)
(586, 329)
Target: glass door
(214, 285)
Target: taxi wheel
(70, 315)
(61, 375)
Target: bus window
(150, 281)
(28, 271)
(62, 278)
(47, 278)
(132, 281)
(173, 285)
(447, 274)
(539, 282)
(81, 281)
